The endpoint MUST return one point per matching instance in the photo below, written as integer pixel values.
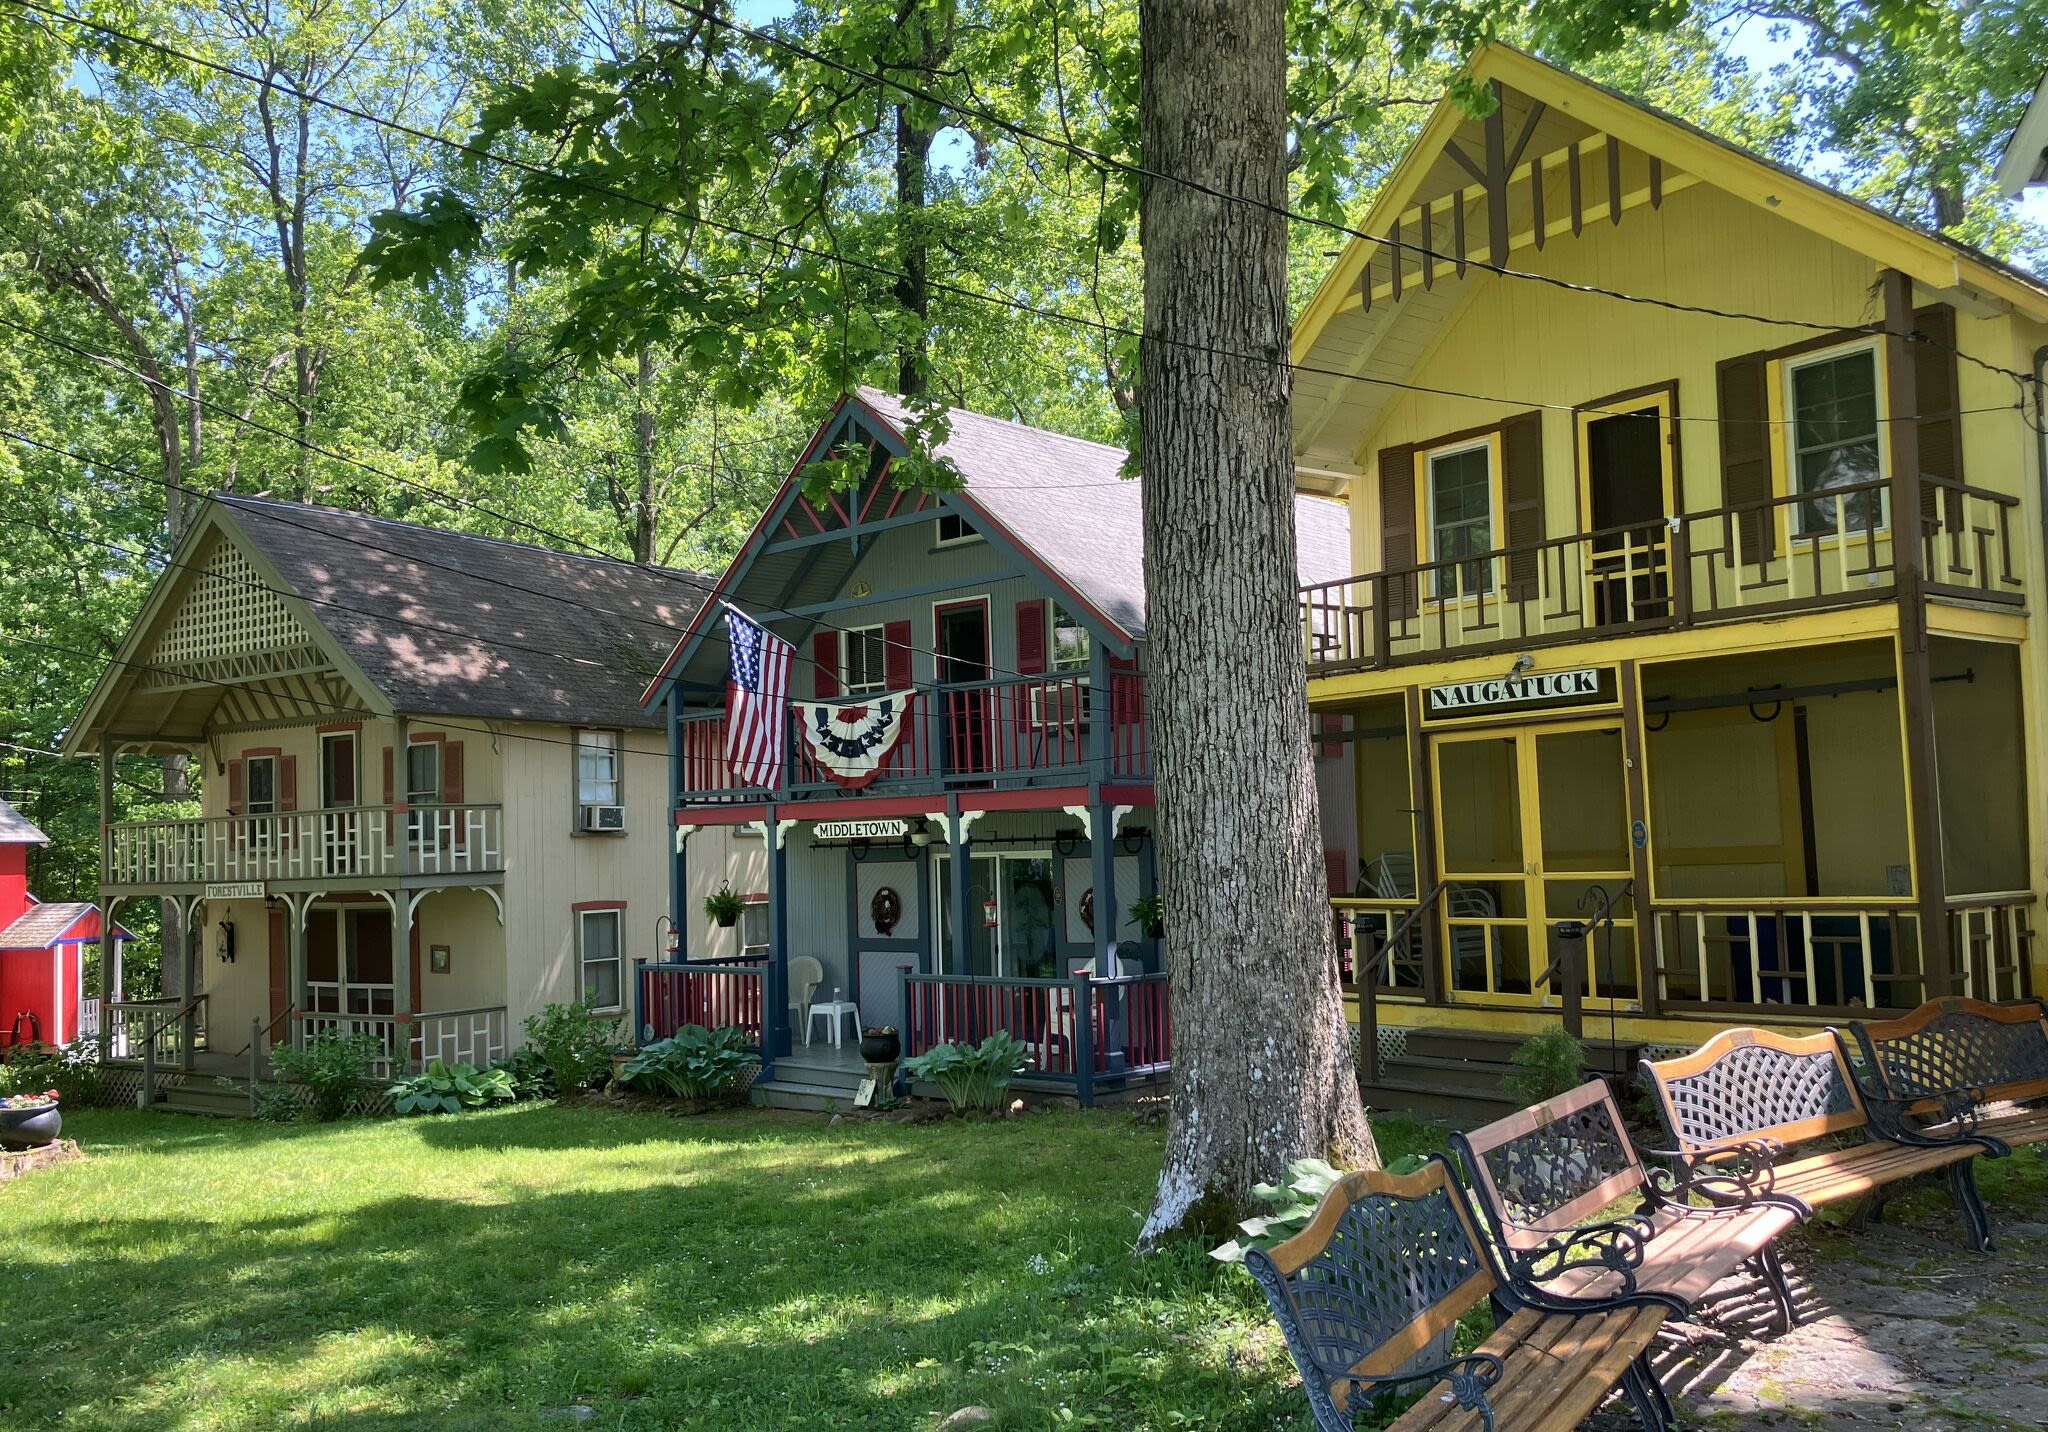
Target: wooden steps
(206, 1095)
(1454, 1076)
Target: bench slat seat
(1739, 1102)
(2019, 1128)
(1545, 1176)
(1369, 1295)
(1559, 1367)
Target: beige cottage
(431, 802)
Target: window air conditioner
(604, 817)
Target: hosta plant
(971, 1076)
(693, 1063)
(1294, 1203)
(449, 1089)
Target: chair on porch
(805, 975)
(1059, 1008)
(1470, 944)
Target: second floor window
(1069, 641)
(422, 786)
(1833, 406)
(259, 796)
(599, 806)
(864, 662)
(955, 528)
(1460, 493)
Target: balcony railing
(1756, 559)
(1014, 731)
(358, 842)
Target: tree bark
(643, 457)
(913, 289)
(1262, 1072)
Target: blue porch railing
(1081, 1032)
(716, 994)
(1019, 729)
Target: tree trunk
(913, 289)
(643, 458)
(1262, 1072)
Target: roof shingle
(42, 926)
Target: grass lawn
(742, 1271)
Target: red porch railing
(1077, 1031)
(717, 994)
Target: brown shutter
(1031, 622)
(280, 977)
(825, 665)
(1521, 461)
(451, 772)
(1330, 723)
(390, 823)
(1397, 528)
(1337, 871)
(287, 783)
(238, 798)
(1743, 387)
(896, 655)
(1937, 408)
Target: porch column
(679, 856)
(1916, 687)
(296, 911)
(1632, 749)
(778, 1031)
(1102, 855)
(1422, 798)
(110, 971)
(958, 876)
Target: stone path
(1901, 1326)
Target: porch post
(777, 1038)
(1102, 856)
(110, 970)
(679, 858)
(296, 912)
(1422, 799)
(1916, 687)
(404, 907)
(1637, 775)
(957, 874)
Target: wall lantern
(226, 944)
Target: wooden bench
(1951, 1057)
(1370, 1293)
(1541, 1176)
(1741, 1100)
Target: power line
(1018, 131)
(1099, 326)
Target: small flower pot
(29, 1128)
(1155, 932)
(726, 922)
(881, 1048)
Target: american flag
(756, 696)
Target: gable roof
(50, 923)
(544, 635)
(1060, 501)
(18, 829)
(2025, 160)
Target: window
(1833, 404)
(422, 785)
(955, 528)
(863, 664)
(598, 806)
(1460, 490)
(754, 928)
(1069, 641)
(259, 797)
(597, 946)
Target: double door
(1533, 833)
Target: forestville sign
(1561, 688)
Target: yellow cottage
(1697, 516)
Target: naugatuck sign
(1510, 690)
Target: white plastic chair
(805, 975)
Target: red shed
(42, 949)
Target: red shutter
(825, 665)
(287, 782)
(237, 790)
(280, 976)
(896, 655)
(1031, 618)
(1337, 870)
(1330, 723)
(451, 772)
(1126, 692)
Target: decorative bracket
(776, 836)
(683, 834)
(1086, 815)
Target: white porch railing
(461, 1036)
(89, 1018)
(353, 843)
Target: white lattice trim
(227, 611)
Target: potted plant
(722, 907)
(1149, 912)
(880, 1044)
(29, 1121)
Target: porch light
(226, 944)
(920, 833)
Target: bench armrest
(1732, 1174)
(1890, 1120)
(1471, 1377)
(1617, 1245)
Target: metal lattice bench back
(1551, 1167)
(1957, 1045)
(1753, 1084)
(1388, 1264)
